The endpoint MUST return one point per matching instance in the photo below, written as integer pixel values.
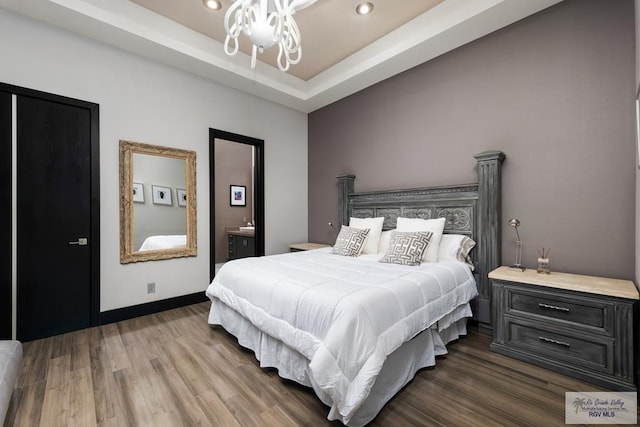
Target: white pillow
(385, 240)
(456, 247)
(436, 226)
(375, 228)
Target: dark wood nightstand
(581, 326)
(298, 247)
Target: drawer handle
(552, 341)
(553, 307)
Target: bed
(354, 329)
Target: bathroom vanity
(241, 243)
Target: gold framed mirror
(157, 202)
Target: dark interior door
(53, 216)
(5, 216)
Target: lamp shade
(514, 222)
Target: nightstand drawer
(579, 311)
(592, 352)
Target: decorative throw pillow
(436, 226)
(350, 241)
(407, 248)
(375, 228)
(457, 247)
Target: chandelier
(266, 23)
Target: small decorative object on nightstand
(515, 223)
(543, 262)
(299, 247)
(581, 326)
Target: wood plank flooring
(173, 369)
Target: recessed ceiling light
(212, 4)
(364, 8)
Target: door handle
(82, 241)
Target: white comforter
(345, 315)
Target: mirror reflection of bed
(155, 243)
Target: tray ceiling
(342, 52)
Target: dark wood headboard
(470, 209)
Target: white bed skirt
(399, 367)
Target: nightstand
(581, 326)
(298, 247)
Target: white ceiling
(343, 55)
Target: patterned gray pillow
(407, 247)
(350, 241)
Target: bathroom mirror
(157, 202)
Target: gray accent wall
(554, 92)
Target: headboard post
(489, 219)
(345, 187)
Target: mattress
(343, 316)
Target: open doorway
(236, 182)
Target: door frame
(6, 193)
(258, 194)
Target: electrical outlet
(151, 288)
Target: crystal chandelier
(266, 23)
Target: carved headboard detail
(470, 209)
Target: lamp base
(517, 267)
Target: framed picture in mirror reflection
(138, 192)
(181, 195)
(161, 195)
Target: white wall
(147, 102)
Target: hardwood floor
(173, 369)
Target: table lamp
(515, 223)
